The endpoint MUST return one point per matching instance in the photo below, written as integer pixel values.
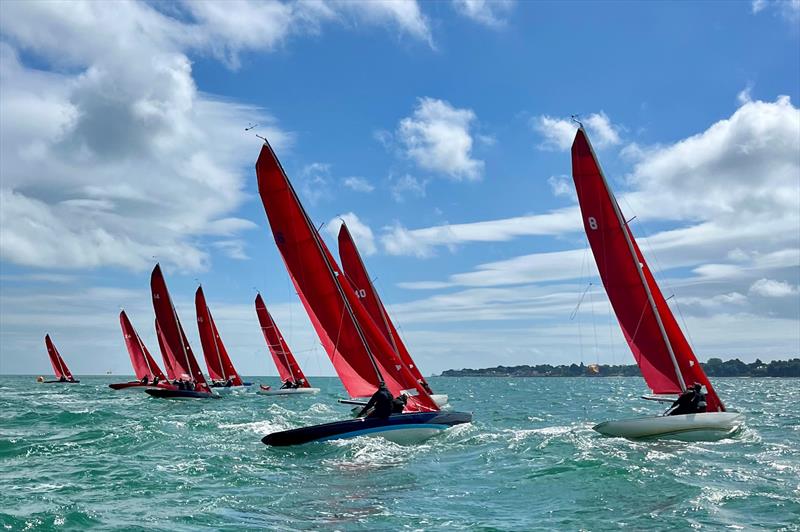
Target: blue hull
(180, 394)
(422, 422)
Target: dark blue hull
(413, 424)
(180, 394)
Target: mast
(56, 354)
(178, 327)
(331, 271)
(651, 301)
(213, 334)
(279, 346)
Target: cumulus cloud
(772, 288)
(437, 138)
(559, 133)
(359, 184)
(408, 185)
(491, 13)
(562, 186)
(788, 9)
(361, 232)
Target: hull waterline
(179, 394)
(289, 391)
(709, 426)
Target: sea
(80, 457)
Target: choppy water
(81, 456)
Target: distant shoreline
(715, 367)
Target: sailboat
(224, 377)
(357, 276)
(147, 371)
(659, 347)
(288, 368)
(346, 330)
(63, 374)
(190, 383)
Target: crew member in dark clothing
(289, 385)
(155, 380)
(399, 404)
(62, 379)
(692, 401)
(144, 380)
(380, 405)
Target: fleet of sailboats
(369, 356)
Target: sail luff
(638, 264)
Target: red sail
(219, 363)
(166, 354)
(143, 363)
(287, 366)
(646, 320)
(59, 367)
(357, 274)
(174, 338)
(332, 308)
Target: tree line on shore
(715, 367)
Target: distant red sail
(356, 273)
(143, 363)
(648, 325)
(333, 308)
(174, 337)
(219, 363)
(166, 354)
(288, 369)
(59, 367)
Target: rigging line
(594, 326)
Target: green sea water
(76, 457)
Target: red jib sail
(59, 367)
(166, 354)
(219, 363)
(357, 274)
(143, 363)
(174, 338)
(356, 347)
(287, 366)
(659, 347)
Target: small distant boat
(359, 351)
(176, 346)
(63, 374)
(224, 377)
(148, 374)
(356, 274)
(659, 347)
(288, 368)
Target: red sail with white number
(143, 363)
(358, 350)
(174, 337)
(288, 369)
(659, 347)
(357, 274)
(59, 367)
(219, 363)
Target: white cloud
(408, 185)
(758, 5)
(559, 133)
(772, 288)
(361, 232)
(405, 15)
(233, 248)
(437, 137)
(562, 186)
(490, 13)
(787, 9)
(313, 183)
(359, 184)
(744, 95)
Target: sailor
(288, 385)
(692, 401)
(380, 404)
(144, 380)
(62, 379)
(229, 382)
(399, 404)
(155, 380)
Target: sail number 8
(592, 222)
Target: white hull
(708, 426)
(290, 391)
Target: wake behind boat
(659, 347)
(405, 428)
(268, 390)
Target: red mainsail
(287, 366)
(143, 363)
(659, 347)
(59, 367)
(173, 335)
(219, 363)
(346, 331)
(357, 274)
(166, 354)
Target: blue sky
(440, 131)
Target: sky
(439, 131)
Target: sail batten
(658, 345)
